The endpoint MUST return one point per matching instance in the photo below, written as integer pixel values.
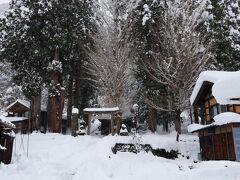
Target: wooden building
(6, 140)
(18, 114)
(217, 124)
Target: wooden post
(213, 147)
(119, 123)
(191, 118)
(226, 136)
(89, 124)
(195, 114)
(112, 124)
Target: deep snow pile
(59, 157)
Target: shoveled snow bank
(220, 119)
(214, 77)
(59, 157)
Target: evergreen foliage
(224, 31)
(146, 35)
(33, 29)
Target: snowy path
(58, 157)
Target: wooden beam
(101, 117)
(112, 125)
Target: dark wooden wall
(217, 143)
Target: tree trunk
(56, 98)
(56, 109)
(35, 110)
(76, 85)
(165, 125)
(53, 115)
(77, 94)
(119, 123)
(70, 101)
(178, 121)
(152, 119)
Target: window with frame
(213, 111)
(222, 108)
(217, 109)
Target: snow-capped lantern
(123, 130)
(82, 127)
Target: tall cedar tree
(145, 35)
(225, 33)
(33, 29)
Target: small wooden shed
(18, 114)
(6, 140)
(217, 120)
(107, 114)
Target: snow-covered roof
(220, 119)
(26, 104)
(5, 121)
(114, 109)
(217, 77)
(16, 119)
(21, 101)
(227, 90)
(226, 118)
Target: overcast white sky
(4, 1)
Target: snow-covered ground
(62, 157)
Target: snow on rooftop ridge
(227, 89)
(101, 109)
(220, 119)
(23, 102)
(210, 76)
(4, 120)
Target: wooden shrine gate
(102, 113)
